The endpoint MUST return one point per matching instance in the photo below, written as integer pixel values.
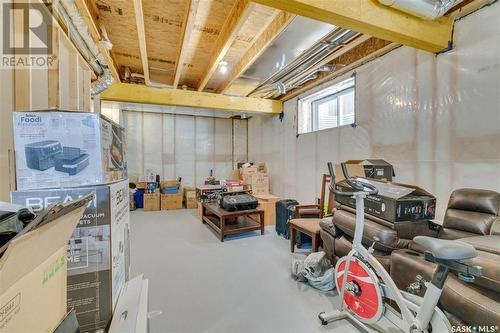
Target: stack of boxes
(61, 156)
(171, 195)
(257, 177)
(190, 198)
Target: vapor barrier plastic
(434, 117)
(183, 146)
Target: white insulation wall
(435, 118)
(184, 146)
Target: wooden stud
(185, 35)
(275, 27)
(139, 20)
(137, 93)
(374, 19)
(229, 31)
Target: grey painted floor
(203, 285)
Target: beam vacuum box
(394, 202)
(33, 277)
(59, 149)
(97, 252)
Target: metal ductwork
(78, 31)
(292, 76)
(429, 9)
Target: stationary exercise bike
(368, 293)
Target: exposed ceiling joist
(374, 19)
(96, 35)
(185, 35)
(138, 93)
(229, 32)
(139, 21)
(275, 27)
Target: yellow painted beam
(138, 93)
(372, 18)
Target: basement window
(330, 107)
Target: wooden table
(227, 223)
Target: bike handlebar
(357, 185)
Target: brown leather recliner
(337, 232)
(472, 216)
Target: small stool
(307, 226)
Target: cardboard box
(354, 170)
(97, 252)
(58, 149)
(247, 173)
(260, 183)
(151, 201)
(171, 201)
(33, 277)
(267, 202)
(235, 174)
(199, 211)
(375, 168)
(394, 202)
(190, 198)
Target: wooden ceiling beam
(374, 19)
(185, 35)
(139, 21)
(235, 20)
(96, 35)
(138, 93)
(275, 27)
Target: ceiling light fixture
(223, 67)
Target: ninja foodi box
(60, 149)
(97, 252)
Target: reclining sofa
(471, 216)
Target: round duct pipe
(429, 9)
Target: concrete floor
(203, 285)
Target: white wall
(174, 145)
(435, 118)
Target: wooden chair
(307, 217)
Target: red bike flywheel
(366, 302)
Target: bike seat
(446, 249)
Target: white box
(61, 149)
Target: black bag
(285, 210)
(235, 202)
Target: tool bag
(236, 202)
